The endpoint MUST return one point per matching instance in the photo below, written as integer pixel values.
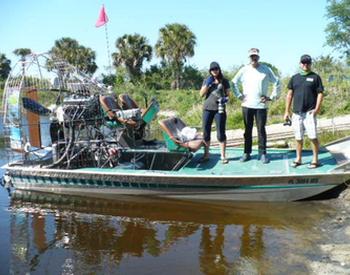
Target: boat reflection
(74, 234)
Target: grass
(328, 136)
(324, 138)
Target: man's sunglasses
(214, 69)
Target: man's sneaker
(264, 159)
(245, 157)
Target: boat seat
(147, 114)
(174, 138)
(151, 111)
(111, 107)
(128, 120)
(127, 102)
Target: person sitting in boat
(216, 90)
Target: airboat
(68, 134)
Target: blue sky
(225, 30)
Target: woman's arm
(209, 81)
(203, 90)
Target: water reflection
(70, 235)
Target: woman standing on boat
(215, 89)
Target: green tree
(5, 67)
(132, 51)
(77, 55)
(192, 78)
(273, 68)
(338, 30)
(22, 53)
(326, 66)
(109, 79)
(176, 43)
(158, 77)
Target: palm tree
(5, 67)
(175, 44)
(77, 55)
(132, 51)
(22, 53)
(86, 60)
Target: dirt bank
(334, 256)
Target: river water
(49, 234)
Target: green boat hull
(249, 181)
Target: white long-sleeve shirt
(255, 84)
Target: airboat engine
(81, 110)
(80, 119)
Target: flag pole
(103, 20)
(108, 51)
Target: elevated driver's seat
(130, 116)
(147, 114)
(113, 111)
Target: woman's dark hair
(216, 65)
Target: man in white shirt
(255, 79)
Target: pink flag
(102, 18)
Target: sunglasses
(214, 69)
(305, 62)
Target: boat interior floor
(280, 163)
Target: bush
(234, 119)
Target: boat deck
(280, 160)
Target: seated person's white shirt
(188, 133)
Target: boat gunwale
(171, 174)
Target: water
(4, 221)
(50, 234)
(4, 232)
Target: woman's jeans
(220, 120)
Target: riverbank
(334, 251)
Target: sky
(225, 30)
